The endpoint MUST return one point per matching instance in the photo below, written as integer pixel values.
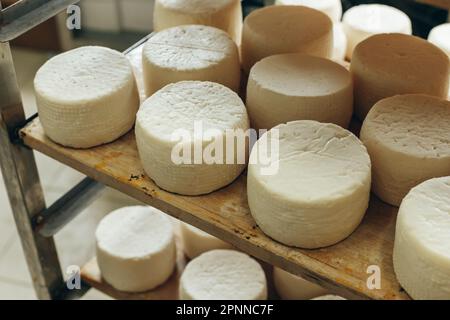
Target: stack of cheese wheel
(288, 87)
(440, 36)
(422, 241)
(308, 183)
(181, 135)
(223, 275)
(86, 97)
(388, 64)
(285, 29)
(195, 241)
(135, 248)
(408, 139)
(292, 287)
(332, 8)
(361, 22)
(190, 52)
(222, 14)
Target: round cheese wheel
(181, 134)
(317, 189)
(135, 248)
(440, 36)
(340, 42)
(329, 297)
(287, 87)
(223, 275)
(86, 97)
(195, 241)
(332, 8)
(422, 241)
(388, 64)
(222, 14)
(292, 287)
(285, 29)
(192, 52)
(408, 139)
(363, 21)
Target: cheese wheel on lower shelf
(181, 135)
(86, 97)
(388, 64)
(135, 248)
(361, 22)
(191, 52)
(329, 297)
(313, 189)
(332, 8)
(408, 139)
(289, 87)
(222, 14)
(195, 241)
(422, 241)
(292, 287)
(223, 275)
(285, 29)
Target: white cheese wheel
(223, 275)
(389, 64)
(222, 14)
(190, 52)
(193, 111)
(285, 29)
(135, 248)
(86, 97)
(422, 241)
(340, 42)
(292, 287)
(332, 8)
(440, 36)
(195, 241)
(408, 139)
(288, 87)
(320, 190)
(361, 22)
(329, 297)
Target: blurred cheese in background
(440, 36)
(292, 287)
(332, 8)
(340, 42)
(363, 21)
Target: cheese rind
(195, 241)
(389, 64)
(289, 87)
(361, 22)
(223, 275)
(422, 241)
(135, 248)
(319, 193)
(408, 139)
(190, 52)
(332, 8)
(86, 97)
(285, 29)
(222, 14)
(292, 287)
(191, 108)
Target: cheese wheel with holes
(86, 97)
(190, 52)
(222, 14)
(361, 22)
(181, 135)
(308, 183)
(389, 64)
(195, 241)
(289, 87)
(135, 248)
(440, 36)
(223, 275)
(285, 29)
(422, 241)
(408, 139)
(292, 287)
(332, 8)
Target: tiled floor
(75, 243)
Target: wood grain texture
(225, 214)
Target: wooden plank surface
(225, 214)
